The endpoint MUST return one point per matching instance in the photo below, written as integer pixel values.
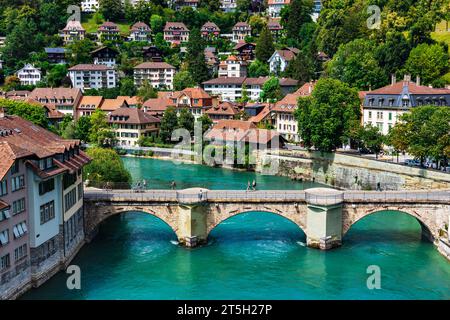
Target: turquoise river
(254, 255)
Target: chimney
(418, 80)
(407, 78)
(393, 79)
(2, 113)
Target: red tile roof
(413, 88)
(131, 116)
(170, 26)
(154, 65)
(289, 102)
(90, 67)
(225, 108)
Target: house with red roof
(108, 31)
(175, 33)
(158, 74)
(280, 59)
(140, 31)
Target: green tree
(294, 16)
(101, 133)
(195, 57)
(183, 80)
(392, 54)
(206, 122)
(112, 10)
(271, 90)
(429, 62)
(64, 123)
(355, 64)
(371, 138)
(329, 116)
(106, 166)
(245, 97)
(79, 52)
(264, 45)
(56, 75)
(31, 112)
(12, 83)
(258, 69)
(169, 123)
(156, 23)
(186, 120)
(83, 128)
(211, 5)
(127, 87)
(301, 68)
(146, 91)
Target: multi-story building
(280, 59)
(41, 204)
(108, 31)
(224, 111)
(195, 99)
(158, 74)
(140, 32)
(62, 100)
(92, 76)
(240, 31)
(383, 107)
(230, 89)
(210, 30)
(179, 4)
(228, 5)
(283, 112)
(176, 33)
(105, 56)
(274, 7)
(73, 31)
(90, 5)
(152, 53)
(87, 105)
(56, 55)
(129, 124)
(245, 51)
(232, 67)
(275, 28)
(29, 75)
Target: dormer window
(405, 102)
(380, 102)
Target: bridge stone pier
(325, 215)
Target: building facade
(274, 7)
(29, 75)
(73, 31)
(210, 30)
(176, 33)
(280, 59)
(232, 67)
(158, 74)
(140, 32)
(92, 76)
(241, 30)
(61, 100)
(105, 56)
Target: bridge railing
(397, 196)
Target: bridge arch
(221, 214)
(428, 232)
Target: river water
(250, 256)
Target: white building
(241, 30)
(232, 67)
(228, 5)
(29, 75)
(281, 58)
(274, 7)
(158, 74)
(140, 32)
(90, 5)
(92, 76)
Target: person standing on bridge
(248, 185)
(173, 185)
(200, 195)
(254, 185)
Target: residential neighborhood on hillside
(255, 135)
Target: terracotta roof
(140, 25)
(154, 65)
(73, 25)
(107, 25)
(135, 100)
(175, 25)
(362, 94)
(279, 2)
(23, 139)
(90, 67)
(225, 108)
(57, 93)
(288, 54)
(193, 93)
(256, 81)
(158, 105)
(413, 88)
(241, 25)
(274, 24)
(131, 116)
(109, 105)
(262, 114)
(94, 102)
(210, 25)
(241, 44)
(290, 101)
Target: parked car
(412, 162)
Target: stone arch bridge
(325, 215)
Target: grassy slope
(91, 27)
(442, 35)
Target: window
(20, 252)
(47, 212)
(18, 206)
(4, 237)
(390, 116)
(70, 199)
(17, 183)
(370, 114)
(3, 187)
(19, 230)
(46, 186)
(4, 214)
(15, 167)
(4, 262)
(69, 180)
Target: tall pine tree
(195, 57)
(264, 46)
(295, 15)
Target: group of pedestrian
(251, 186)
(140, 186)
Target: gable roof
(413, 88)
(74, 25)
(170, 26)
(154, 65)
(225, 108)
(140, 25)
(132, 116)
